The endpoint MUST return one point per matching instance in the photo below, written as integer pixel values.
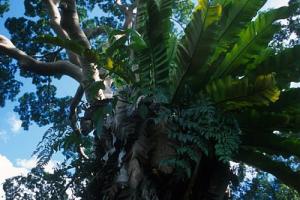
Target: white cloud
(23, 166)
(15, 123)
(30, 163)
(7, 170)
(3, 136)
(295, 85)
(275, 4)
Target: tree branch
(70, 22)
(30, 64)
(55, 21)
(128, 12)
(282, 145)
(55, 18)
(75, 102)
(94, 32)
(278, 169)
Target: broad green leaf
(284, 64)
(195, 47)
(236, 15)
(154, 61)
(280, 145)
(283, 115)
(233, 94)
(252, 39)
(137, 42)
(210, 16)
(289, 102)
(264, 120)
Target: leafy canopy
(221, 90)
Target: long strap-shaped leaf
(283, 115)
(254, 38)
(154, 60)
(283, 64)
(252, 119)
(232, 94)
(288, 102)
(287, 146)
(236, 15)
(195, 47)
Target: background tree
(289, 34)
(184, 103)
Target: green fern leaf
(252, 39)
(236, 15)
(154, 61)
(238, 93)
(284, 64)
(195, 47)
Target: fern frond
(252, 39)
(236, 15)
(284, 64)
(196, 45)
(233, 94)
(154, 61)
(47, 146)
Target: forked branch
(42, 68)
(128, 11)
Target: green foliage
(283, 115)
(252, 39)
(235, 18)
(198, 32)
(45, 185)
(10, 87)
(201, 128)
(42, 107)
(263, 187)
(213, 86)
(47, 146)
(282, 63)
(4, 7)
(153, 62)
(233, 94)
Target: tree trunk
(133, 168)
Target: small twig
(75, 102)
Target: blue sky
(17, 145)
(11, 134)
